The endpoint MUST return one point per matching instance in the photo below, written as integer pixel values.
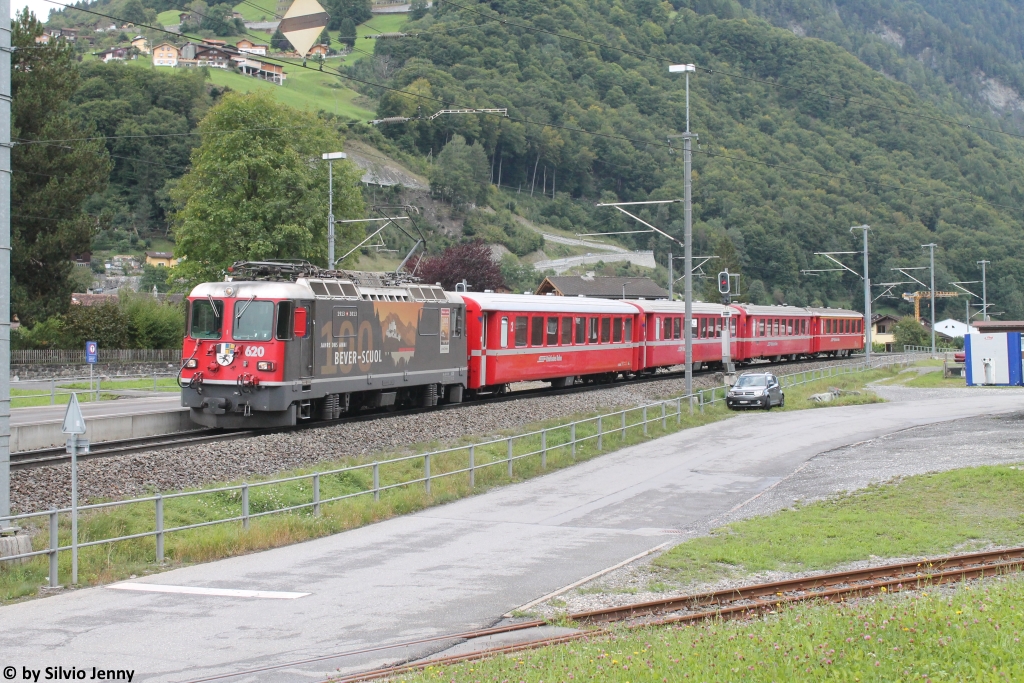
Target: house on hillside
(141, 44)
(318, 51)
(186, 18)
(163, 259)
(214, 57)
(274, 73)
(602, 287)
(43, 39)
(114, 54)
(881, 330)
(252, 48)
(68, 34)
(166, 54)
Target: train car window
(430, 322)
(504, 333)
(718, 328)
(552, 331)
(606, 330)
(629, 329)
(457, 327)
(521, 322)
(254, 320)
(732, 327)
(703, 328)
(760, 328)
(333, 288)
(677, 328)
(657, 328)
(301, 321)
(284, 316)
(566, 331)
(206, 318)
(803, 326)
(789, 327)
(581, 331)
(592, 336)
(343, 315)
(537, 332)
(668, 327)
(617, 330)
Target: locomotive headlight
(265, 365)
(192, 363)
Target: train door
(304, 324)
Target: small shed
(602, 287)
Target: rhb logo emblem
(225, 353)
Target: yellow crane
(917, 296)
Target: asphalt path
(450, 568)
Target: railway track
(57, 455)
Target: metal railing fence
(927, 349)
(567, 437)
(77, 356)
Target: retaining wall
(105, 428)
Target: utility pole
(5, 261)
(931, 251)
(687, 231)
(867, 295)
(984, 292)
(330, 157)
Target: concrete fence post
(509, 457)
(572, 437)
(316, 494)
(54, 544)
(664, 419)
(623, 425)
(159, 528)
(679, 411)
(472, 466)
(600, 435)
(426, 472)
(245, 506)
(645, 420)
(376, 481)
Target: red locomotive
(282, 342)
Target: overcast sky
(40, 7)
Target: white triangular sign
(74, 423)
(303, 23)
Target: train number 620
(254, 351)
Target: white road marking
(198, 590)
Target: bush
(909, 332)
(134, 321)
(470, 261)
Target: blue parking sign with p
(91, 352)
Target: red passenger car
(773, 332)
(516, 337)
(837, 331)
(661, 342)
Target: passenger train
(279, 343)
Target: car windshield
(254, 320)
(752, 381)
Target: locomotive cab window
(206, 318)
(254, 320)
(284, 319)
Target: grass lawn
(302, 89)
(40, 396)
(258, 10)
(931, 380)
(960, 510)
(972, 633)
(169, 18)
(107, 563)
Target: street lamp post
(687, 231)
(329, 157)
(931, 251)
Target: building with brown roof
(602, 287)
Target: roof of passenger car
(529, 303)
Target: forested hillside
(799, 140)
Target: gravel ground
(193, 466)
(934, 448)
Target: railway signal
(723, 282)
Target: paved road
(452, 567)
(134, 406)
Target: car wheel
(767, 402)
(782, 401)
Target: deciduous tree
(469, 261)
(257, 189)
